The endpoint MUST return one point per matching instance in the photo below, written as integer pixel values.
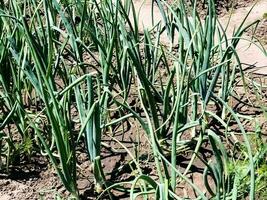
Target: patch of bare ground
(30, 181)
(260, 32)
(222, 7)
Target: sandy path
(250, 55)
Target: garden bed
(220, 128)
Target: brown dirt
(261, 32)
(223, 7)
(30, 181)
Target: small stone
(82, 184)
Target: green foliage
(69, 64)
